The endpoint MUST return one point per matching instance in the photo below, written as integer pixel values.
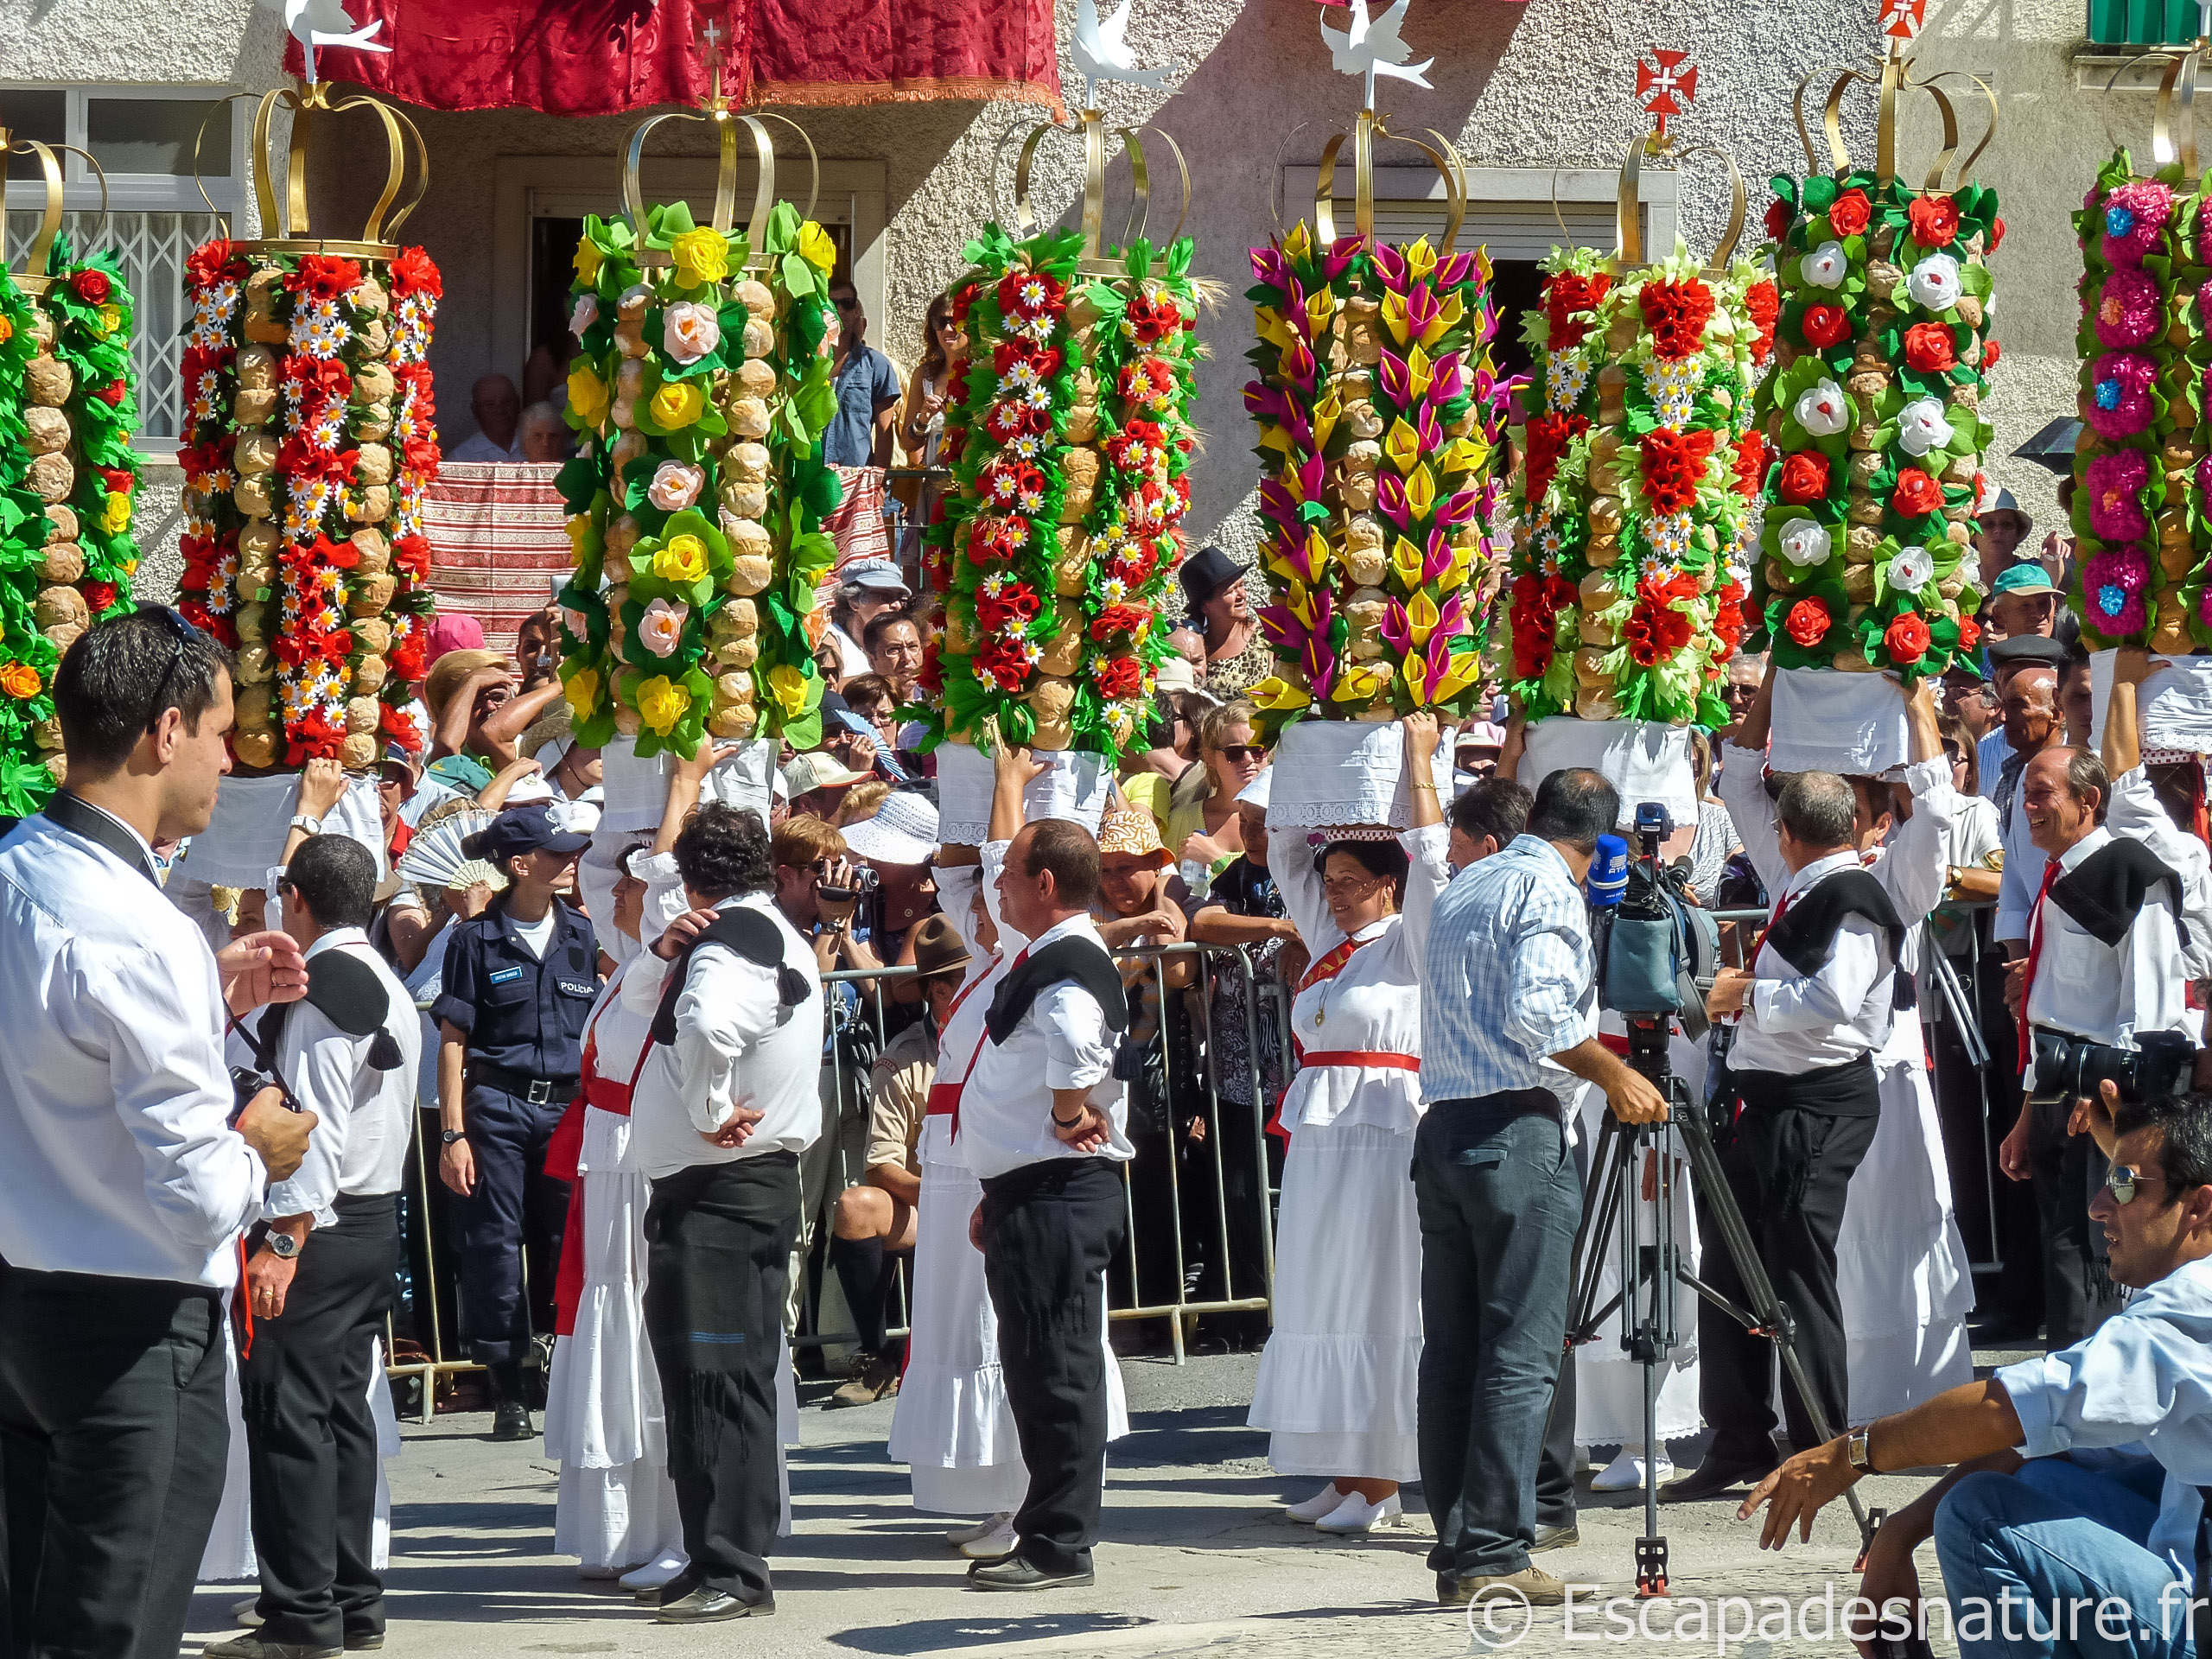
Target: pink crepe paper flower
(2134, 215)
(2129, 311)
(2112, 592)
(2116, 481)
(2120, 394)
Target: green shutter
(2142, 23)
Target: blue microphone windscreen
(1608, 878)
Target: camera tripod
(1651, 1267)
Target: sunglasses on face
(846, 301)
(2123, 1179)
(1237, 754)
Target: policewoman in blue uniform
(519, 981)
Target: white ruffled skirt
(1339, 1384)
(952, 1424)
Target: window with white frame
(144, 138)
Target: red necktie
(1021, 956)
(2034, 953)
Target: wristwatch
(1855, 1450)
(447, 1137)
(282, 1246)
(312, 826)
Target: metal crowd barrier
(1230, 1218)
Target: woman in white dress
(1337, 1384)
(952, 1425)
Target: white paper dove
(1372, 47)
(1102, 54)
(325, 23)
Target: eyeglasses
(2123, 1181)
(849, 302)
(1237, 754)
(184, 633)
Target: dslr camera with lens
(2067, 1066)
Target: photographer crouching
(1816, 1007)
(2076, 1505)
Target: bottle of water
(1197, 876)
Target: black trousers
(2078, 1294)
(718, 1240)
(1555, 1466)
(304, 1378)
(1499, 1201)
(1789, 1168)
(516, 1209)
(1049, 1231)
(113, 1436)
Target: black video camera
(2067, 1066)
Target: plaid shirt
(1509, 977)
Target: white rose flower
(1822, 410)
(1935, 283)
(689, 330)
(1910, 571)
(676, 486)
(585, 314)
(1921, 427)
(1805, 542)
(1826, 266)
(660, 630)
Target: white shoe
(662, 1569)
(995, 1545)
(1325, 1501)
(1627, 1473)
(1356, 1514)
(982, 1528)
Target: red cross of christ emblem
(1902, 19)
(1667, 85)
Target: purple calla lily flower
(1397, 628)
(1451, 618)
(1397, 379)
(1389, 266)
(1422, 309)
(1390, 498)
(1339, 254)
(1427, 429)
(1447, 378)
(1436, 556)
(1270, 267)
(1454, 269)
(1297, 365)
(1455, 509)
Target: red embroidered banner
(600, 57)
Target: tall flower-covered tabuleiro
(1379, 413)
(2143, 461)
(67, 477)
(1641, 478)
(309, 435)
(1064, 524)
(697, 498)
(1874, 412)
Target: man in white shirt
(124, 1187)
(725, 1103)
(1816, 1006)
(320, 1278)
(2070, 1524)
(2104, 969)
(498, 409)
(1043, 1122)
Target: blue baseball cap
(520, 830)
(2025, 577)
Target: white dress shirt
(1797, 1022)
(477, 447)
(1373, 1003)
(116, 1153)
(2136, 813)
(735, 1046)
(2083, 986)
(359, 1145)
(2140, 1384)
(2022, 881)
(1063, 1042)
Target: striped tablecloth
(498, 541)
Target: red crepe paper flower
(1849, 215)
(1934, 221)
(1148, 383)
(1763, 304)
(1151, 318)
(1751, 464)
(1031, 294)
(1806, 623)
(411, 556)
(406, 654)
(1548, 436)
(1916, 495)
(931, 677)
(1825, 326)
(118, 479)
(993, 539)
(1009, 607)
(1117, 678)
(93, 287)
(413, 273)
(1566, 294)
(1675, 314)
(1138, 447)
(113, 393)
(1996, 233)
(1728, 616)
(1674, 463)
(1780, 216)
(324, 276)
(396, 724)
(1969, 633)
(1004, 663)
(1120, 619)
(1906, 637)
(1990, 353)
(98, 595)
(1135, 567)
(211, 262)
(1804, 478)
(1929, 348)
(1007, 421)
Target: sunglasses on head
(1237, 754)
(181, 633)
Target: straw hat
(1133, 830)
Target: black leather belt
(538, 1091)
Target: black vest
(350, 994)
(2104, 893)
(1805, 934)
(1076, 957)
(749, 933)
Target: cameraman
(2104, 979)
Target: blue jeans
(2055, 1535)
(1494, 1183)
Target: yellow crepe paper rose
(661, 703)
(582, 692)
(588, 260)
(586, 397)
(788, 687)
(115, 517)
(681, 558)
(111, 318)
(700, 257)
(677, 404)
(817, 247)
